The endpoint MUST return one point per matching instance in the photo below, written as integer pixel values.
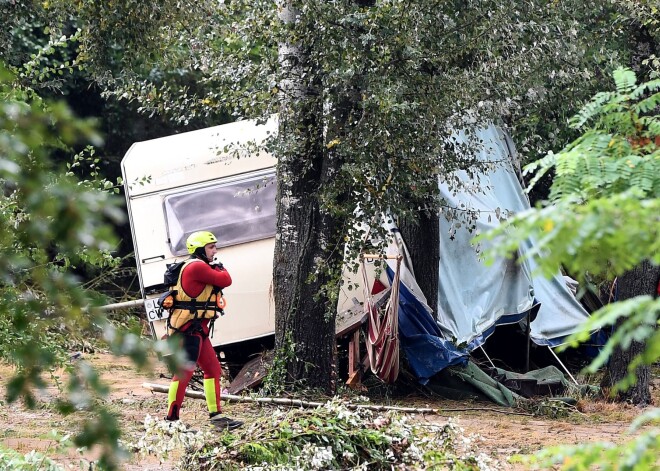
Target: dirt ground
(501, 432)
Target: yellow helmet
(199, 239)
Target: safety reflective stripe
(209, 392)
(171, 394)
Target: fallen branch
(233, 398)
(282, 401)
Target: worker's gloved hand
(216, 261)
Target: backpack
(171, 275)
(170, 279)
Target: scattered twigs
(300, 403)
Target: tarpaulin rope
(383, 327)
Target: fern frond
(591, 110)
(539, 169)
(568, 168)
(653, 126)
(610, 173)
(641, 178)
(625, 80)
(644, 88)
(648, 104)
(597, 143)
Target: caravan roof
(197, 156)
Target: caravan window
(236, 212)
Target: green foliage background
(417, 70)
(603, 218)
(53, 224)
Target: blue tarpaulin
(473, 299)
(422, 342)
(420, 336)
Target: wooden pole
(299, 403)
(233, 398)
(123, 305)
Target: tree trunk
(423, 241)
(642, 280)
(645, 45)
(304, 263)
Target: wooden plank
(354, 352)
(251, 375)
(354, 369)
(350, 320)
(348, 323)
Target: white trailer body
(208, 180)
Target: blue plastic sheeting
(427, 352)
(474, 298)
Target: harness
(185, 310)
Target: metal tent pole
(528, 333)
(562, 365)
(491, 361)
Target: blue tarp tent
(474, 299)
(421, 338)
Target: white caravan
(209, 180)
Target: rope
(383, 330)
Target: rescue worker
(196, 306)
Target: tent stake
(563, 366)
(487, 357)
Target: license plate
(153, 310)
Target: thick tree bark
(423, 241)
(642, 280)
(304, 261)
